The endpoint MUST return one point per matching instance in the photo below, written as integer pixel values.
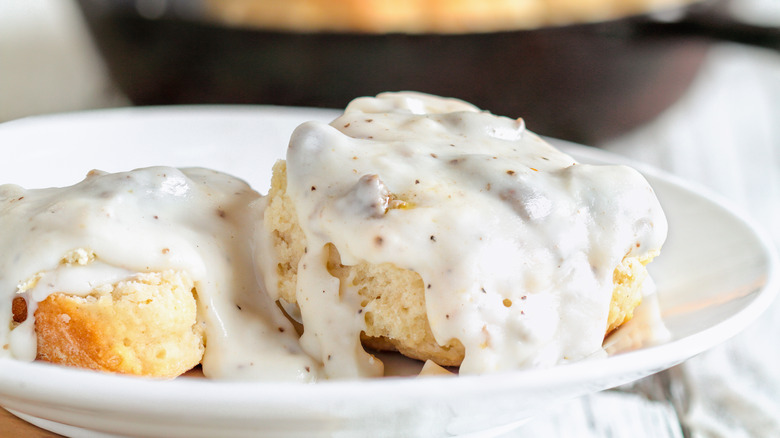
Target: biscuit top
(112, 226)
(515, 241)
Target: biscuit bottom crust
(394, 298)
(144, 326)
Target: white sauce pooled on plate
(146, 220)
(515, 242)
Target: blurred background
(692, 87)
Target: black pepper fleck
(433, 238)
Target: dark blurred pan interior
(585, 82)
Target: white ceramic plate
(714, 277)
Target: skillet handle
(714, 21)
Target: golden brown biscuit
(628, 278)
(394, 298)
(143, 326)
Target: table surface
(12, 426)
(722, 134)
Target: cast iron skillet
(585, 83)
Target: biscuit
(146, 326)
(393, 298)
